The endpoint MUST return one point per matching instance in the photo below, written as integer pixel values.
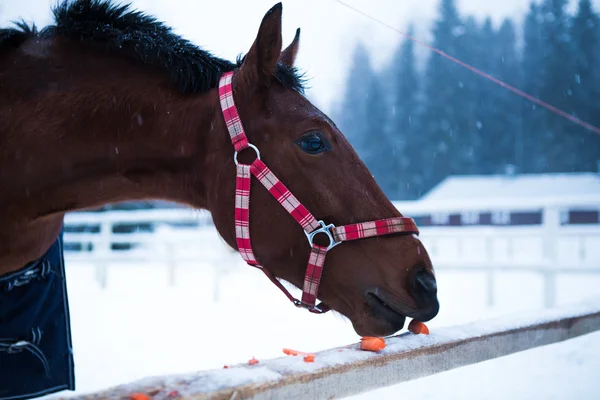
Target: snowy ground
(140, 326)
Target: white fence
(178, 236)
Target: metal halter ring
(312, 308)
(326, 229)
(250, 145)
(298, 303)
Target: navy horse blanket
(36, 353)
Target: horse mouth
(386, 311)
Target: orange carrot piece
(370, 343)
(291, 352)
(139, 396)
(417, 327)
(253, 361)
(309, 358)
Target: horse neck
(105, 132)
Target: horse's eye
(313, 143)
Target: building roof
(513, 187)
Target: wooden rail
(347, 371)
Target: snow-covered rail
(346, 371)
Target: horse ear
(288, 56)
(261, 60)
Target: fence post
(489, 275)
(433, 247)
(551, 226)
(489, 278)
(171, 264)
(102, 250)
(217, 286)
(549, 289)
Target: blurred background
(506, 193)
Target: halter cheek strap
(280, 192)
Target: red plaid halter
(309, 223)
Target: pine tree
(404, 131)
(534, 80)
(440, 130)
(472, 96)
(484, 130)
(499, 109)
(363, 119)
(586, 93)
(352, 113)
(377, 151)
(561, 140)
(508, 118)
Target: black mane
(139, 36)
(11, 38)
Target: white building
(508, 200)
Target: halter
(310, 225)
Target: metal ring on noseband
(250, 145)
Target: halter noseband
(307, 221)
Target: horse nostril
(424, 290)
(424, 284)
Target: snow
(566, 370)
(278, 369)
(139, 326)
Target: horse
(107, 105)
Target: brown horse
(108, 105)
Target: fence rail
(346, 371)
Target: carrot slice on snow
(371, 343)
(291, 352)
(139, 396)
(417, 327)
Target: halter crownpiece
(307, 221)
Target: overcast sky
(329, 30)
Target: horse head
(376, 282)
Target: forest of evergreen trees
(415, 126)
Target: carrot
(418, 327)
(253, 361)
(371, 343)
(291, 352)
(139, 396)
(308, 357)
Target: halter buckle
(326, 229)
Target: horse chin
(379, 319)
(378, 327)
